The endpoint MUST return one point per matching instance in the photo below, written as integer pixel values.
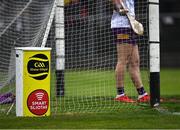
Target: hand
(118, 7)
(123, 11)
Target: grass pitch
(115, 115)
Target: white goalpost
(83, 52)
(154, 41)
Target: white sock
(117, 96)
(140, 96)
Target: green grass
(112, 114)
(94, 90)
(170, 82)
(128, 119)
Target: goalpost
(154, 41)
(83, 53)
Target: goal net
(22, 24)
(90, 55)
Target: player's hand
(123, 11)
(119, 8)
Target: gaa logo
(38, 66)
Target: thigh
(123, 52)
(135, 58)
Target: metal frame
(154, 41)
(60, 47)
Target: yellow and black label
(122, 36)
(36, 99)
(38, 66)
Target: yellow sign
(36, 100)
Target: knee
(135, 63)
(120, 66)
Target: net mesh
(22, 24)
(90, 55)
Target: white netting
(22, 24)
(90, 55)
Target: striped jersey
(118, 21)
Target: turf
(147, 119)
(94, 90)
(170, 82)
(115, 115)
(97, 83)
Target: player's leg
(134, 69)
(134, 64)
(122, 60)
(121, 64)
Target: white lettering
(39, 64)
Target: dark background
(93, 47)
(170, 33)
